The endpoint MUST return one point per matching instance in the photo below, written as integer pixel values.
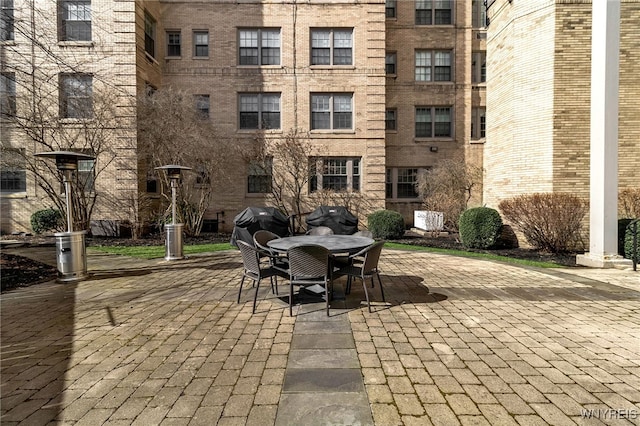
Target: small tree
(629, 203)
(448, 187)
(171, 130)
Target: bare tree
(171, 130)
(287, 159)
(448, 187)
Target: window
(433, 12)
(479, 67)
(173, 43)
(259, 111)
(260, 176)
(433, 122)
(331, 47)
(478, 14)
(331, 111)
(201, 44)
(75, 96)
(401, 182)
(7, 95)
(6, 20)
(433, 65)
(259, 47)
(390, 119)
(75, 21)
(202, 105)
(86, 175)
(337, 174)
(13, 176)
(478, 123)
(390, 8)
(149, 34)
(390, 62)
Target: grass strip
(475, 255)
(151, 252)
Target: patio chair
(364, 269)
(320, 230)
(260, 239)
(256, 270)
(308, 266)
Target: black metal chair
(363, 265)
(257, 270)
(309, 266)
(320, 230)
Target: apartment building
(538, 95)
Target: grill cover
(253, 219)
(338, 218)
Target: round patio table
(334, 243)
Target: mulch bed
(18, 271)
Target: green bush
(480, 227)
(622, 229)
(386, 224)
(46, 220)
(628, 240)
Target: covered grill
(338, 218)
(253, 219)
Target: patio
(461, 341)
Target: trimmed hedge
(386, 224)
(46, 220)
(628, 240)
(480, 227)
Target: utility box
(174, 241)
(71, 256)
(428, 220)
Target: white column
(605, 47)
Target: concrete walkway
(461, 341)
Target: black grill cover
(253, 219)
(338, 218)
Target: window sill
(429, 83)
(391, 130)
(431, 140)
(478, 141)
(332, 67)
(404, 200)
(268, 131)
(330, 132)
(172, 58)
(14, 195)
(70, 120)
(277, 67)
(435, 25)
(200, 58)
(150, 58)
(76, 43)
(391, 75)
(7, 42)
(257, 194)
(480, 84)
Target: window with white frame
(479, 67)
(174, 43)
(390, 8)
(332, 46)
(390, 119)
(478, 123)
(335, 173)
(76, 91)
(86, 175)
(434, 12)
(203, 105)
(13, 174)
(331, 111)
(75, 20)
(478, 14)
(259, 46)
(201, 44)
(433, 65)
(433, 122)
(259, 111)
(260, 176)
(6, 20)
(149, 34)
(7, 95)
(390, 60)
(402, 182)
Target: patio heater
(71, 256)
(174, 230)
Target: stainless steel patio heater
(173, 243)
(71, 253)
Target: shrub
(548, 221)
(480, 227)
(628, 240)
(386, 224)
(622, 229)
(46, 220)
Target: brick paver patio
(461, 341)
